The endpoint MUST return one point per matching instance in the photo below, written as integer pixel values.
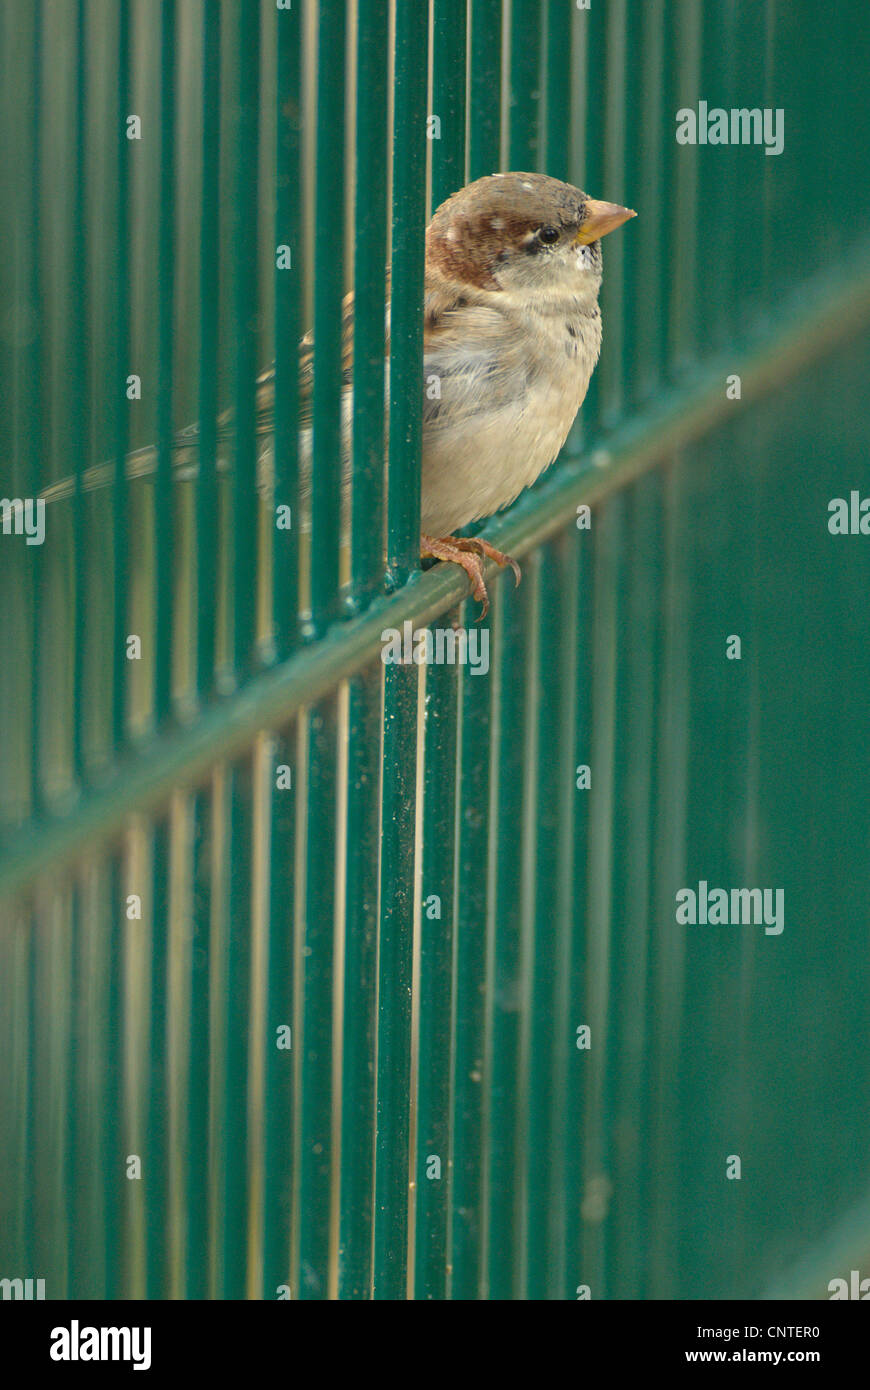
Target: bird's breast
(496, 415)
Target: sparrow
(511, 336)
(512, 332)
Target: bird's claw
(469, 552)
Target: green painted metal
(314, 1102)
(164, 517)
(435, 983)
(370, 259)
(472, 777)
(411, 46)
(359, 1034)
(328, 290)
(484, 79)
(288, 325)
(311, 937)
(507, 989)
(207, 405)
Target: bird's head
(525, 233)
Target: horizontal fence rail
(327, 977)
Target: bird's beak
(600, 219)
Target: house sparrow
(512, 332)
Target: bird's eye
(548, 235)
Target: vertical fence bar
(163, 491)
(328, 288)
(768, 165)
(667, 89)
(406, 318)
(632, 867)
(315, 1098)
(434, 1129)
(472, 890)
(484, 94)
(155, 1157)
(558, 156)
(666, 978)
(198, 1157)
(526, 922)
(117, 403)
(206, 528)
(553, 759)
(510, 648)
(613, 305)
(562, 792)
(395, 964)
(529, 1099)
(580, 576)
(32, 1144)
(288, 328)
(51, 1070)
(101, 191)
(750, 161)
(632, 178)
(448, 97)
(356, 1210)
(593, 168)
(716, 774)
(749, 852)
(682, 207)
(646, 364)
(369, 409)
(244, 346)
(96, 1169)
(279, 1045)
(524, 133)
(603, 673)
(235, 999)
(177, 1098)
(35, 409)
(114, 1179)
(16, 1153)
(717, 181)
(78, 399)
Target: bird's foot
(469, 552)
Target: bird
(512, 330)
(511, 336)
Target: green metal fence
(297, 949)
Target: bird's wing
(265, 397)
(469, 347)
(185, 444)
